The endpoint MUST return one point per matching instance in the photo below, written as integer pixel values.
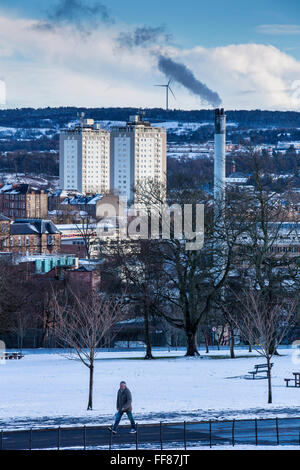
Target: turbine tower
(168, 88)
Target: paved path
(150, 435)
(95, 419)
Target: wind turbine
(168, 88)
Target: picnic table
(296, 379)
(258, 369)
(11, 355)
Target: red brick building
(4, 230)
(97, 206)
(32, 236)
(23, 201)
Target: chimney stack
(219, 163)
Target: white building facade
(138, 153)
(84, 158)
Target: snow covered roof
(18, 189)
(3, 218)
(33, 226)
(84, 200)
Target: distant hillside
(58, 117)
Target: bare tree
(263, 324)
(18, 298)
(267, 250)
(139, 266)
(87, 230)
(83, 323)
(192, 278)
(20, 322)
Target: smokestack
(219, 163)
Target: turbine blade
(172, 92)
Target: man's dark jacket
(124, 400)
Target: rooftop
(33, 227)
(19, 189)
(81, 199)
(4, 219)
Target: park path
(283, 431)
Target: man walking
(124, 405)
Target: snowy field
(46, 388)
(174, 448)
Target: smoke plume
(183, 75)
(144, 36)
(81, 14)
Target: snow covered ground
(175, 447)
(191, 448)
(46, 388)
(34, 180)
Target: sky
(111, 53)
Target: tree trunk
(206, 340)
(250, 348)
(91, 384)
(273, 349)
(191, 344)
(220, 337)
(147, 336)
(269, 381)
(232, 354)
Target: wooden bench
(259, 368)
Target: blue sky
(273, 26)
(209, 23)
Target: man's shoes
(133, 431)
(112, 430)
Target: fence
(278, 431)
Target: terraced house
(23, 201)
(4, 231)
(32, 236)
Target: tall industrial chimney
(219, 163)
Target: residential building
(32, 236)
(4, 230)
(138, 153)
(23, 201)
(84, 158)
(63, 204)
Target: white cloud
(283, 29)
(60, 67)
(248, 75)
